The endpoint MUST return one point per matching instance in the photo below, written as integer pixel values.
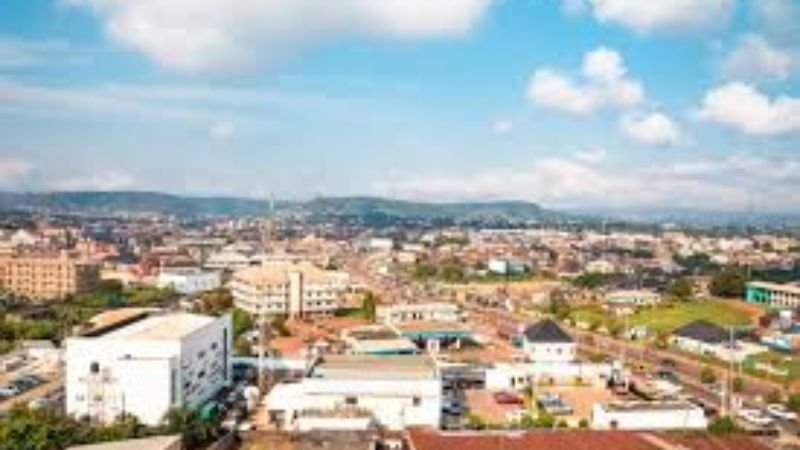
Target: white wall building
(632, 298)
(672, 415)
(518, 376)
(406, 312)
(545, 341)
(300, 289)
(188, 280)
(395, 391)
(145, 363)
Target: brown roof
(428, 439)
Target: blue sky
(570, 103)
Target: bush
(583, 423)
(723, 426)
(738, 384)
(707, 375)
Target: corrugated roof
(547, 332)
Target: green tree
(242, 322)
(722, 426)
(729, 283)
(368, 306)
(216, 302)
(681, 289)
(738, 384)
(707, 375)
(793, 402)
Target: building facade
(291, 289)
(146, 363)
(393, 391)
(773, 295)
(47, 276)
(189, 280)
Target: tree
(707, 375)
(242, 322)
(368, 306)
(738, 384)
(216, 302)
(729, 283)
(722, 426)
(793, 402)
(681, 289)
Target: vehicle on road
(756, 417)
(781, 412)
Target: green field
(668, 317)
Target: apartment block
(47, 276)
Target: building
(47, 276)
(144, 362)
(773, 295)
(430, 439)
(506, 267)
(352, 392)
(407, 312)
(636, 416)
(149, 443)
(632, 298)
(188, 280)
(300, 289)
(545, 341)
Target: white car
(755, 417)
(781, 412)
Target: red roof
(429, 439)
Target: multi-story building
(773, 295)
(144, 363)
(292, 289)
(47, 276)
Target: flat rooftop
(167, 326)
(151, 443)
(791, 288)
(371, 366)
(648, 406)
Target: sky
(574, 104)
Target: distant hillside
(366, 206)
(160, 203)
(130, 202)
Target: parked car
(553, 404)
(9, 390)
(508, 398)
(781, 412)
(756, 417)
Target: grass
(668, 317)
(780, 361)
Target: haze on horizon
(679, 104)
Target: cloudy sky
(570, 103)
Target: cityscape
(399, 224)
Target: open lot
(666, 318)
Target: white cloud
(220, 35)
(654, 129)
(604, 84)
(754, 58)
(779, 20)
(710, 184)
(645, 16)
(103, 181)
(222, 130)
(573, 7)
(741, 106)
(592, 156)
(502, 127)
(11, 168)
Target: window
(94, 367)
(416, 401)
(350, 401)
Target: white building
(429, 312)
(502, 266)
(632, 298)
(230, 259)
(300, 289)
(188, 280)
(394, 391)
(668, 415)
(773, 295)
(545, 341)
(145, 363)
(519, 376)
